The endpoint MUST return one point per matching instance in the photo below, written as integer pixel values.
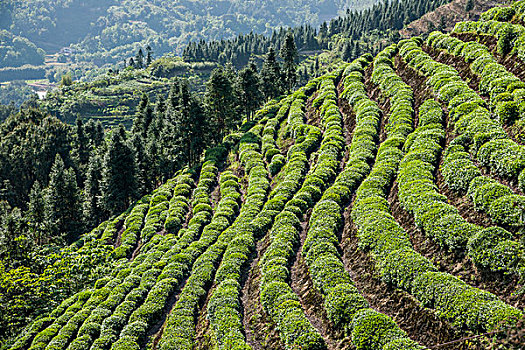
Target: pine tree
(62, 202)
(357, 50)
(35, 214)
(289, 55)
(119, 186)
(92, 209)
(80, 148)
(184, 134)
(271, 75)
(139, 59)
(249, 90)
(144, 183)
(143, 117)
(347, 51)
(149, 56)
(221, 104)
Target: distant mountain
(108, 31)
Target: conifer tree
(62, 202)
(249, 89)
(35, 214)
(149, 56)
(137, 144)
(469, 6)
(80, 149)
(221, 104)
(347, 51)
(289, 55)
(119, 186)
(92, 209)
(271, 75)
(139, 59)
(143, 117)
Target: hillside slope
(111, 30)
(380, 206)
(449, 15)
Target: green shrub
(373, 330)
(508, 210)
(494, 249)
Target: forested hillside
(112, 98)
(379, 206)
(111, 30)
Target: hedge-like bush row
(179, 203)
(345, 307)
(99, 323)
(400, 94)
(164, 261)
(95, 246)
(56, 320)
(180, 325)
(102, 325)
(269, 147)
(468, 113)
(504, 88)
(133, 225)
(418, 193)
(201, 204)
(110, 232)
(277, 297)
(224, 308)
(224, 311)
(87, 322)
(440, 220)
(399, 264)
(511, 37)
(497, 200)
(158, 210)
(195, 257)
(494, 150)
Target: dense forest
(16, 51)
(112, 98)
(355, 26)
(111, 30)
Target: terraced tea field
(381, 206)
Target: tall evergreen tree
(80, 150)
(144, 182)
(35, 214)
(143, 118)
(119, 186)
(189, 123)
(221, 104)
(289, 55)
(149, 55)
(249, 90)
(469, 6)
(139, 59)
(62, 202)
(94, 132)
(347, 51)
(92, 209)
(271, 75)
